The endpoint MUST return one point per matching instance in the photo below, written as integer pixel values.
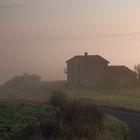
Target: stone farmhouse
(93, 70)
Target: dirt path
(131, 118)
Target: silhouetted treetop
(23, 80)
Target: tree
(23, 81)
(137, 71)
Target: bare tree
(137, 71)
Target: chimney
(86, 53)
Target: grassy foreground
(22, 121)
(17, 119)
(114, 129)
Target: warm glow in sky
(38, 36)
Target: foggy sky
(38, 36)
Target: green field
(24, 120)
(124, 98)
(114, 129)
(18, 119)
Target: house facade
(93, 70)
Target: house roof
(120, 70)
(93, 58)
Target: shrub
(75, 120)
(58, 98)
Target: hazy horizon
(38, 36)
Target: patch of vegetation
(58, 99)
(76, 121)
(79, 120)
(114, 129)
(24, 81)
(71, 120)
(18, 119)
(128, 98)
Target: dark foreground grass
(19, 119)
(77, 121)
(80, 120)
(70, 121)
(113, 129)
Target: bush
(23, 81)
(75, 120)
(58, 98)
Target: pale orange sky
(38, 36)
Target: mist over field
(38, 36)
